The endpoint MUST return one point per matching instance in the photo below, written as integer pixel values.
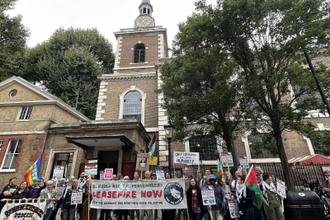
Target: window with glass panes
(257, 152)
(206, 147)
(132, 105)
(12, 153)
(63, 160)
(25, 113)
(139, 53)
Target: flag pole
(89, 190)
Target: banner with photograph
(153, 194)
(186, 157)
(28, 211)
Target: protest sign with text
(227, 159)
(233, 209)
(60, 190)
(108, 174)
(76, 197)
(244, 162)
(58, 172)
(208, 195)
(153, 194)
(160, 174)
(91, 167)
(186, 157)
(280, 188)
(34, 210)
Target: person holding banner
(272, 204)
(49, 193)
(195, 202)
(245, 199)
(168, 214)
(8, 191)
(149, 211)
(92, 212)
(22, 192)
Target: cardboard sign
(244, 162)
(208, 195)
(58, 172)
(108, 174)
(135, 195)
(76, 197)
(233, 209)
(186, 157)
(153, 161)
(91, 167)
(281, 188)
(160, 175)
(227, 159)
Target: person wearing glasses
(326, 183)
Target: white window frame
(5, 155)
(122, 97)
(29, 109)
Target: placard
(160, 175)
(208, 195)
(153, 161)
(153, 194)
(76, 197)
(58, 172)
(91, 167)
(280, 188)
(244, 162)
(186, 157)
(108, 174)
(233, 209)
(227, 159)
(60, 190)
(142, 162)
(101, 174)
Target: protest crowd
(233, 197)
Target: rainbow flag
(32, 175)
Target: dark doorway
(108, 159)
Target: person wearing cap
(49, 193)
(35, 189)
(216, 210)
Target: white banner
(22, 210)
(153, 194)
(186, 157)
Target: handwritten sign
(227, 159)
(108, 174)
(244, 162)
(208, 195)
(91, 167)
(160, 174)
(76, 197)
(233, 209)
(280, 188)
(186, 157)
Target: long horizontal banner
(153, 194)
(33, 210)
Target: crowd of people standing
(226, 189)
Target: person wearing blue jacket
(245, 200)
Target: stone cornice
(133, 76)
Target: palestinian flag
(252, 182)
(220, 169)
(152, 146)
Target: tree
(13, 37)
(200, 93)
(68, 65)
(268, 40)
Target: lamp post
(169, 128)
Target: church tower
(129, 93)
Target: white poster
(244, 162)
(58, 172)
(27, 211)
(208, 195)
(91, 167)
(233, 209)
(186, 157)
(154, 194)
(227, 159)
(160, 174)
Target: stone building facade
(27, 112)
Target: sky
(43, 17)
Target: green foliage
(68, 65)
(13, 36)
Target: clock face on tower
(143, 21)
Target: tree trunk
(231, 148)
(283, 158)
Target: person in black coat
(22, 192)
(8, 191)
(195, 201)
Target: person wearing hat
(49, 193)
(216, 210)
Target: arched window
(148, 11)
(144, 10)
(132, 105)
(139, 53)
